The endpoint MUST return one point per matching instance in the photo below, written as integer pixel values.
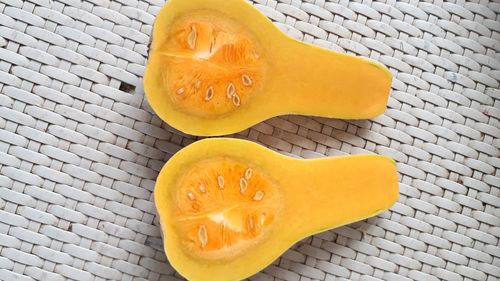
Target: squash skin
(299, 78)
(317, 195)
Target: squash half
(220, 66)
(228, 208)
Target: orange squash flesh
(218, 67)
(228, 208)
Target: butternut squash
(219, 66)
(229, 207)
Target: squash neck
(332, 192)
(332, 84)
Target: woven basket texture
(80, 148)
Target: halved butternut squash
(229, 207)
(219, 66)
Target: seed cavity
(243, 185)
(248, 173)
(236, 100)
(192, 38)
(202, 235)
(210, 93)
(258, 195)
(202, 188)
(247, 81)
(220, 181)
(230, 91)
(190, 196)
(180, 91)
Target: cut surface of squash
(217, 67)
(228, 208)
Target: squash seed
(210, 93)
(236, 100)
(220, 181)
(180, 91)
(258, 195)
(190, 196)
(197, 84)
(192, 38)
(202, 188)
(251, 223)
(202, 235)
(243, 185)
(230, 91)
(248, 173)
(262, 218)
(247, 81)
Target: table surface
(80, 148)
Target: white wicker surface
(80, 148)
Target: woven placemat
(80, 148)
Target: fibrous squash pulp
(228, 208)
(220, 66)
